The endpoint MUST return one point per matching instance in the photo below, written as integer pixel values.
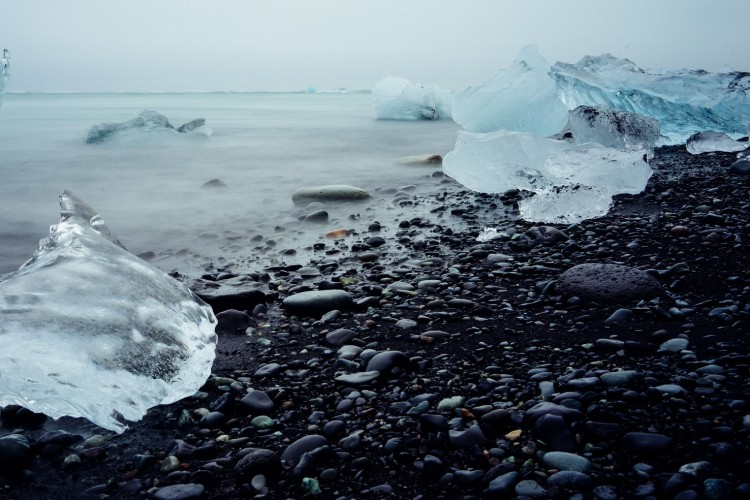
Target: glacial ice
(4, 73)
(146, 121)
(89, 330)
(522, 98)
(613, 129)
(684, 101)
(708, 141)
(396, 98)
(590, 173)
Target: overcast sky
(202, 45)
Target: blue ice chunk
(395, 98)
(89, 330)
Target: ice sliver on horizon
(395, 98)
(89, 330)
(4, 73)
(684, 101)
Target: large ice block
(4, 73)
(521, 97)
(684, 101)
(396, 98)
(590, 173)
(89, 330)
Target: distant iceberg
(90, 330)
(396, 98)
(146, 121)
(4, 73)
(522, 97)
(684, 101)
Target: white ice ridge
(4, 73)
(396, 98)
(684, 101)
(521, 97)
(89, 330)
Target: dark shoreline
(502, 336)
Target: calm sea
(148, 187)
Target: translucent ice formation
(522, 98)
(89, 330)
(706, 142)
(4, 73)
(683, 101)
(613, 129)
(396, 98)
(500, 161)
(146, 121)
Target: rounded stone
(645, 443)
(339, 193)
(358, 378)
(233, 321)
(179, 492)
(257, 461)
(305, 444)
(340, 337)
(15, 452)
(608, 283)
(566, 461)
(740, 167)
(317, 302)
(570, 479)
(386, 361)
(258, 403)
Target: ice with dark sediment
(613, 129)
(684, 101)
(89, 330)
(4, 73)
(521, 97)
(147, 121)
(707, 141)
(395, 98)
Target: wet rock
(570, 479)
(233, 321)
(305, 444)
(385, 362)
(740, 167)
(258, 403)
(340, 337)
(643, 443)
(15, 453)
(332, 193)
(566, 461)
(318, 302)
(179, 492)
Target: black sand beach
(469, 373)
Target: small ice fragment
(4, 73)
(89, 330)
(566, 204)
(708, 141)
(491, 233)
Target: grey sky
(198, 45)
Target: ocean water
(147, 187)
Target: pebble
(674, 345)
(295, 450)
(358, 378)
(340, 337)
(566, 461)
(338, 193)
(15, 452)
(570, 479)
(257, 461)
(318, 302)
(450, 404)
(530, 488)
(643, 443)
(179, 492)
(258, 403)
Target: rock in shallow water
(338, 193)
(84, 309)
(318, 302)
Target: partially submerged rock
(417, 160)
(339, 193)
(90, 330)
